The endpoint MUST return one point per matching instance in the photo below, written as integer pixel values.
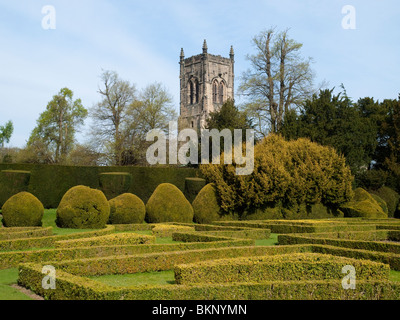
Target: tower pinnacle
(205, 48)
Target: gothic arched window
(194, 91)
(191, 92)
(221, 93)
(215, 91)
(197, 87)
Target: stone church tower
(207, 81)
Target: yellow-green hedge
(291, 239)
(286, 267)
(70, 287)
(166, 230)
(22, 233)
(11, 259)
(111, 239)
(162, 261)
(46, 242)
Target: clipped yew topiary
(127, 209)
(83, 208)
(168, 204)
(363, 205)
(290, 173)
(205, 206)
(23, 210)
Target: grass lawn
(394, 276)
(7, 278)
(129, 280)
(272, 241)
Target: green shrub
(168, 204)
(83, 208)
(391, 198)
(23, 210)
(205, 206)
(285, 172)
(363, 205)
(127, 209)
(114, 184)
(193, 187)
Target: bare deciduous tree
(279, 79)
(111, 114)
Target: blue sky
(141, 40)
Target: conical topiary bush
(168, 204)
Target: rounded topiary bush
(168, 204)
(83, 208)
(364, 205)
(127, 209)
(205, 205)
(22, 210)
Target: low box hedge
(291, 239)
(256, 234)
(282, 227)
(392, 259)
(201, 237)
(134, 227)
(23, 233)
(49, 241)
(111, 239)
(162, 261)
(166, 230)
(70, 287)
(13, 258)
(286, 267)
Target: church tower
(207, 81)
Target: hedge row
(134, 227)
(201, 237)
(50, 182)
(166, 230)
(70, 287)
(256, 234)
(22, 233)
(212, 227)
(49, 241)
(12, 182)
(354, 244)
(295, 266)
(379, 235)
(289, 227)
(392, 259)
(118, 239)
(12, 259)
(161, 261)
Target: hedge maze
(213, 261)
